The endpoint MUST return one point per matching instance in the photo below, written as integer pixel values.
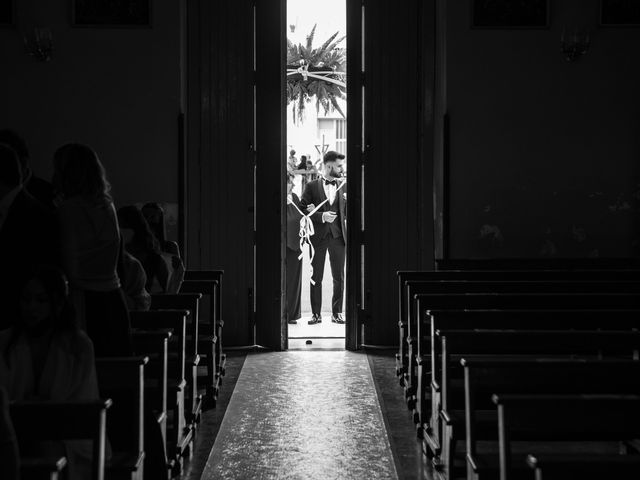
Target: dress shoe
(315, 319)
(292, 322)
(337, 318)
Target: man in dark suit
(29, 236)
(330, 226)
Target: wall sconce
(575, 45)
(39, 43)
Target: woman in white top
(90, 246)
(46, 357)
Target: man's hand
(310, 207)
(328, 217)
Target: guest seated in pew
(133, 280)
(91, 242)
(9, 456)
(28, 234)
(46, 356)
(154, 215)
(140, 242)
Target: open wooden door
(269, 149)
(356, 149)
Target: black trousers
(294, 284)
(336, 249)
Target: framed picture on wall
(620, 13)
(111, 13)
(509, 14)
(7, 10)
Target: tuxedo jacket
(314, 193)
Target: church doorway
(316, 170)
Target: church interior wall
(116, 89)
(544, 153)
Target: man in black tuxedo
(330, 226)
(29, 235)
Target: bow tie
(330, 182)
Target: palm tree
(316, 72)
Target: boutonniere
(344, 195)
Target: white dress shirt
(330, 190)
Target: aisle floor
(303, 415)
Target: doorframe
(270, 142)
(356, 149)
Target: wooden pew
(485, 377)
(416, 338)
(415, 283)
(53, 421)
(122, 380)
(154, 345)
(539, 319)
(511, 301)
(502, 301)
(583, 467)
(209, 283)
(190, 302)
(620, 265)
(543, 419)
(447, 419)
(180, 433)
(42, 468)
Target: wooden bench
(209, 283)
(53, 421)
(190, 302)
(415, 283)
(42, 468)
(583, 467)
(122, 380)
(415, 337)
(505, 301)
(443, 430)
(179, 432)
(485, 377)
(154, 345)
(540, 420)
(499, 320)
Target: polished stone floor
(303, 415)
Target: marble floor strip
(303, 415)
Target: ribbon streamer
(307, 230)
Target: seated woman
(90, 246)
(140, 242)
(133, 280)
(154, 215)
(45, 356)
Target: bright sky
(330, 15)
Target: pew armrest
(41, 467)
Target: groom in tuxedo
(330, 226)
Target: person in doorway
(330, 226)
(292, 161)
(294, 263)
